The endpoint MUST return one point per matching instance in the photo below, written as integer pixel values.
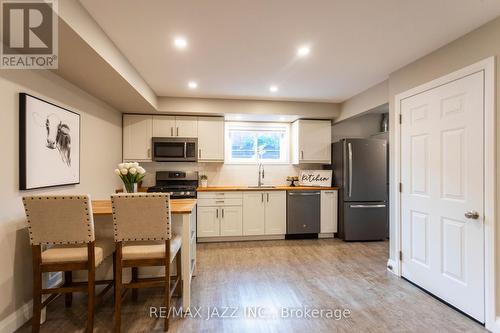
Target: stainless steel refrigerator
(360, 168)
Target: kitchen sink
(262, 186)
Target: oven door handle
(185, 149)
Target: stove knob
(182, 193)
(188, 193)
(171, 193)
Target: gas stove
(179, 184)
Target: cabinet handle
(217, 213)
(222, 212)
(301, 154)
(149, 152)
(262, 197)
(267, 197)
(219, 201)
(199, 153)
(177, 131)
(171, 131)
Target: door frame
(492, 321)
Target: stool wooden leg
(91, 287)
(37, 289)
(167, 283)
(135, 276)
(178, 277)
(118, 287)
(68, 297)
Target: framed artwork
(49, 144)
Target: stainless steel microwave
(175, 149)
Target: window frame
(257, 127)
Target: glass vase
(130, 188)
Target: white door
(163, 126)
(442, 174)
(210, 139)
(186, 127)
(208, 222)
(231, 221)
(253, 213)
(275, 212)
(137, 132)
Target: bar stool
(143, 238)
(65, 223)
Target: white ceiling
(238, 48)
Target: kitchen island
(184, 223)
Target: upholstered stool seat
(151, 250)
(74, 253)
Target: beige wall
(473, 47)
(202, 106)
(359, 127)
(100, 151)
(367, 100)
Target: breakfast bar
(184, 223)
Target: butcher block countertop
(177, 206)
(276, 188)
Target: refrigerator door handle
(349, 191)
(367, 206)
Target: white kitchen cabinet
(170, 126)
(275, 217)
(231, 221)
(253, 214)
(264, 213)
(186, 127)
(208, 222)
(329, 202)
(137, 134)
(311, 141)
(210, 139)
(163, 126)
(220, 214)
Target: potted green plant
(203, 181)
(131, 174)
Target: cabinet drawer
(210, 202)
(218, 195)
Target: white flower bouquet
(130, 174)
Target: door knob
(471, 214)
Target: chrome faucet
(261, 175)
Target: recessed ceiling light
(303, 51)
(273, 88)
(180, 43)
(192, 85)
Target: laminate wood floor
(281, 277)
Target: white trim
(492, 322)
(17, 318)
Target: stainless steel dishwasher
(303, 212)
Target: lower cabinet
(329, 203)
(219, 214)
(208, 223)
(264, 213)
(230, 221)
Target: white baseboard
(392, 266)
(17, 318)
(494, 327)
(239, 238)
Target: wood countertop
(177, 206)
(276, 188)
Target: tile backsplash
(229, 174)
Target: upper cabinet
(311, 141)
(137, 133)
(170, 126)
(211, 139)
(138, 130)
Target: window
(256, 143)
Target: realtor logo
(29, 34)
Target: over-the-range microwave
(175, 149)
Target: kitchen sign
(315, 178)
